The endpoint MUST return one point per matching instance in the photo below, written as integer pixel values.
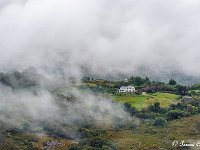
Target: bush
(97, 142)
(160, 121)
(133, 111)
(174, 114)
(155, 107)
(143, 115)
(127, 106)
(87, 133)
(181, 106)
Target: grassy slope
(136, 101)
(150, 137)
(142, 101)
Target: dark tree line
(138, 81)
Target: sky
(101, 36)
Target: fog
(38, 107)
(65, 38)
(94, 35)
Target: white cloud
(113, 36)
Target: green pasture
(142, 101)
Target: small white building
(124, 89)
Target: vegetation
(174, 114)
(163, 116)
(172, 82)
(143, 101)
(138, 81)
(160, 121)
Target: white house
(126, 89)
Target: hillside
(90, 114)
(150, 137)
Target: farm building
(126, 89)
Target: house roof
(130, 86)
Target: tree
(155, 107)
(172, 82)
(136, 80)
(147, 79)
(181, 90)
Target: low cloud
(38, 107)
(113, 36)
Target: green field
(142, 101)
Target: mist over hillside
(48, 46)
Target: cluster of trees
(144, 82)
(138, 81)
(172, 82)
(16, 79)
(160, 87)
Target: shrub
(133, 111)
(97, 142)
(181, 106)
(172, 107)
(174, 114)
(160, 121)
(127, 106)
(143, 115)
(163, 110)
(87, 133)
